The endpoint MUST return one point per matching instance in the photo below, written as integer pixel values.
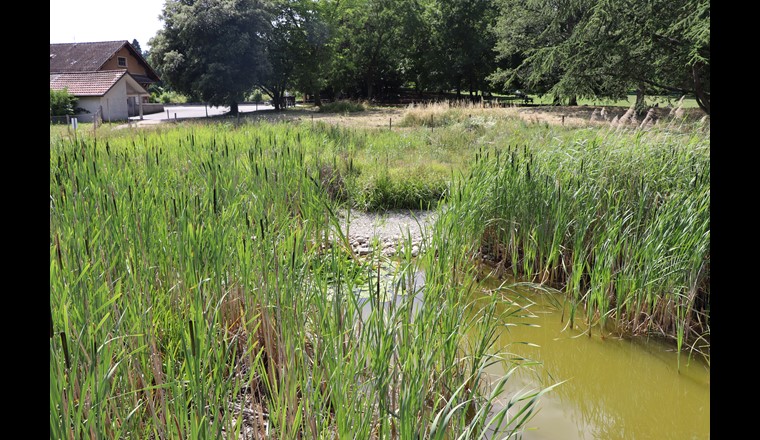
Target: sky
(80, 21)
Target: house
(110, 78)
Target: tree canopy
(219, 50)
(212, 50)
(603, 48)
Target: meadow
(201, 286)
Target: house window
(122, 61)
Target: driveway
(197, 111)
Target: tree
(604, 48)
(533, 36)
(462, 43)
(369, 47)
(295, 49)
(136, 45)
(212, 49)
(313, 48)
(62, 103)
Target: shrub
(254, 96)
(342, 107)
(62, 103)
(159, 94)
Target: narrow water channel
(613, 388)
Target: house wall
(133, 65)
(89, 103)
(114, 104)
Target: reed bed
(618, 220)
(194, 294)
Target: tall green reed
(618, 219)
(191, 274)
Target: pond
(612, 388)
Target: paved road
(198, 111)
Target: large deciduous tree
(298, 50)
(212, 50)
(369, 46)
(463, 46)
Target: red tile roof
(86, 83)
(82, 57)
(90, 57)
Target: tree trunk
(276, 100)
(702, 97)
(641, 105)
(234, 108)
(317, 98)
(573, 100)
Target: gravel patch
(390, 228)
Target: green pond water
(613, 388)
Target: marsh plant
(617, 220)
(195, 293)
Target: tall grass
(194, 294)
(618, 219)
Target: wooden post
(390, 123)
(167, 114)
(206, 106)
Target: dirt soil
(383, 117)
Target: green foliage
(343, 106)
(212, 50)
(168, 97)
(136, 45)
(190, 271)
(619, 221)
(461, 44)
(255, 96)
(62, 103)
(302, 46)
(400, 189)
(602, 49)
